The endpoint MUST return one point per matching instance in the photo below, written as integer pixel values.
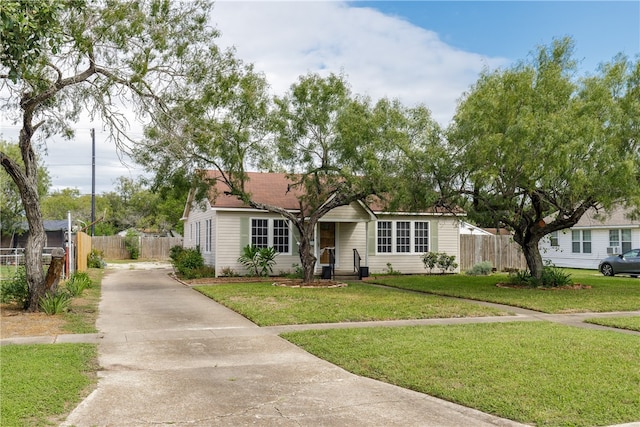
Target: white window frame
(623, 236)
(396, 239)
(581, 241)
(270, 236)
(554, 239)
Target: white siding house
(596, 236)
(222, 226)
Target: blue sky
(512, 29)
(420, 52)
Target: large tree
(336, 148)
(72, 56)
(11, 209)
(534, 148)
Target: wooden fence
(501, 251)
(151, 248)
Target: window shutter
(373, 225)
(433, 244)
(244, 232)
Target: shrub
(552, 277)
(189, 263)
(430, 259)
(258, 261)
(446, 262)
(77, 283)
(441, 260)
(391, 271)
(95, 259)
(16, 289)
(228, 272)
(175, 252)
(55, 302)
(483, 268)
(132, 243)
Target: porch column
(366, 243)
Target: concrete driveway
(171, 356)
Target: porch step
(346, 275)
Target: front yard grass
(605, 294)
(269, 305)
(632, 323)
(41, 383)
(537, 373)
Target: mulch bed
(278, 281)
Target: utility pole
(93, 180)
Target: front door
(327, 240)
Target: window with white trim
(281, 235)
(620, 238)
(274, 233)
(260, 232)
(581, 241)
(402, 237)
(553, 239)
(421, 236)
(384, 237)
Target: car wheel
(607, 270)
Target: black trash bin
(326, 272)
(364, 272)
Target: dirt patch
(574, 287)
(298, 283)
(15, 322)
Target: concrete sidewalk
(171, 356)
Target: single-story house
(597, 235)
(55, 230)
(222, 226)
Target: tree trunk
(307, 258)
(33, 260)
(533, 257)
(55, 270)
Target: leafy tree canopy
(533, 148)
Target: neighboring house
(596, 236)
(55, 231)
(469, 229)
(222, 226)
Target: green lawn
(632, 323)
(536, 373)
(42, 383)
(269, 305)
(605, 294)
(81, 318)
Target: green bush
(132, 243)
(55, 302)
(258, 261)
(391, 271)
(175, 252)
(483, 268)
(77, 283)
(16, 289)
(189, 264)
(441, 260)
(552, 277)
(95, 259)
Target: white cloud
(381, 55)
